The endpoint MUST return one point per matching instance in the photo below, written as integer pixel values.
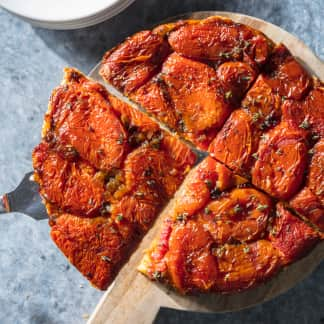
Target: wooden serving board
(132, 298)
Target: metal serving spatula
(24, 199)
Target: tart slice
(105, 172)
(222, 235)
(213, 237)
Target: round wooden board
(132, 298)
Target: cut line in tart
(212, 88)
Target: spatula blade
(24, 199)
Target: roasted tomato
(193, 89)
(241, 215)
(179, 152)
(154, 97)
(307, 204)
(147, 172)
(132, 63)
(285, 75)
(191, 265)
(291, 236)
(202, 184)
(94, 246)
(131, 118)
(81, 117)
(315, 180)
(280, 162)
(71, 185)
(137, 210)
(235, 78)
(185, 96)
(236, 142)
(220, 39)
(262, 104)
(244, 265)
(308, 113)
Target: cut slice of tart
(105, 172)
(228, 238)
(214, 235)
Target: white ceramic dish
(61, 14)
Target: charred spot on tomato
(156, 140)
(182, 217)
(105, 208)
(151, 183)
(148, 172)
(215, 193)
(74, 76)
(68, 152)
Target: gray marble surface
(37, 284)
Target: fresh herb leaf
(261, 207)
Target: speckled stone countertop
(37, 284)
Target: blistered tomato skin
(286, 75)
(72, 186)
(190, 262)
(280, 162)
(133, 62)
(81, 118)
(315, 180)
(240, 216)
(219, 39)
(291, 236)
(308, 205)
(98, 261)
(236, 142)
(307, 113)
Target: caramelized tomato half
(242, 266)
(263, 105)
(220, 39)
(307, 113)
(285, 75)
(189, 260)
(291, 236)
(82, 118)
(307, 204)
(202, 184)
(236, 142)
(133, 62)
(315, 180)
(235, 78)
(280, 162)
(185, 96)
(94, 246)
(71, 185)
(241, 215)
